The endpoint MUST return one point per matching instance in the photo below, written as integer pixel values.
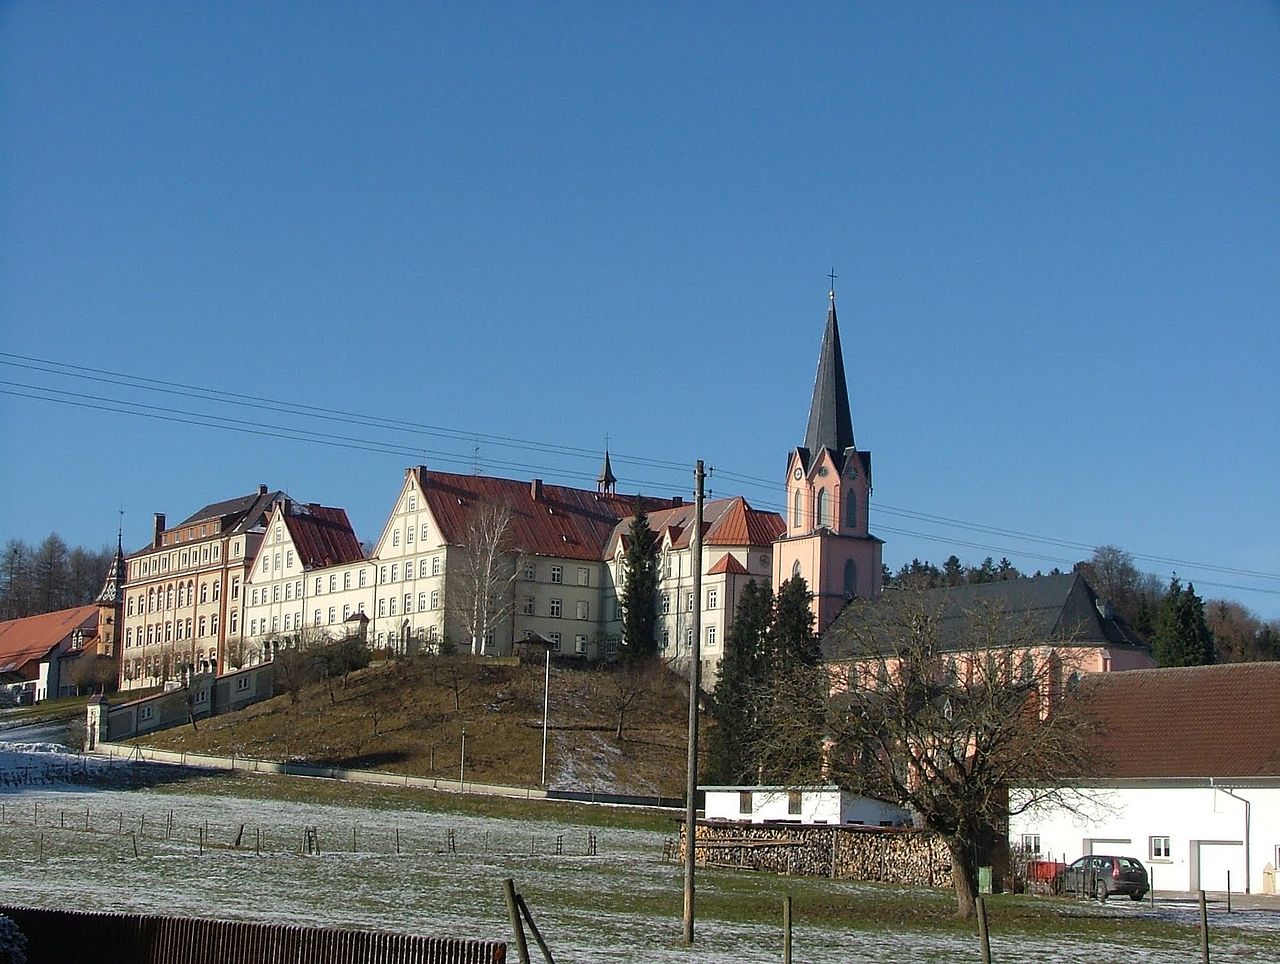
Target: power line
(279, 406)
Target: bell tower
(110, 603)
(827, 540)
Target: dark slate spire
(606, 481)
(113, 586)
(830, 425)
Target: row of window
(1158, 847)
(555, 608)
(179, 596)
(713, 601)
(822, 516)
(154, 565)
(408, 535)
(171, 630)
(711, 637)
(556, 575)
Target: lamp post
(546, 703)
(462, 761)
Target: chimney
(535, 489)
(262, 489)
(677, 501)
(159, 528)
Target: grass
(407, 717)
(744, 897)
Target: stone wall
(885, 854)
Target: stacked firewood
(890, 855)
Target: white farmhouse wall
(1205, 826)
(818, 805)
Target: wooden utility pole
(695, 685)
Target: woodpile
(856, 852)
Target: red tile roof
(558, 521)
(31, 638)
(322, 535)
(1201, 721)
(727, 564)
(725, 522)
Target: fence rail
(58, 936)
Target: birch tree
(483, 580)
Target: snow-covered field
(74, 846)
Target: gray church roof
(830, 424)
(1057, 608)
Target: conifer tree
(640, 590)
(732, 758)
(795, 691)
(1182, 636)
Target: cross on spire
(832, 275)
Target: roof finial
(832, 275)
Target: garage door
(1217, 858)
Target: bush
(13, 943)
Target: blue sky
(1055, 229)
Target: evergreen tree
(733, 740)
(640, 591)
(794, 695)
(1182, 636)
(953, 571)
(793, 640)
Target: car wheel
(1136, 896)
(1101, 891)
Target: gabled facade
(31, 647)
(308, 576)
(826, 539)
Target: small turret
(606, 481)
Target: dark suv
(1101, 876)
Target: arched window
(795, 569)
(851, 509)
(823, 509)
(797, 509)
(850, 578)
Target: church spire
(113, 586)
(606, 482)
(830, 424)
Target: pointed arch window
(797, 509)
(850, 578)
(851, 509)
(823, 509)
(795, 569)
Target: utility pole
(546, 704)
(695, 686)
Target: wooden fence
(72, 937)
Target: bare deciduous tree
(482, 579)
(943, 721)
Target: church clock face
(798, 474)
(823, 472)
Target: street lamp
(546, 703)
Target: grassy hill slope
(407, 716)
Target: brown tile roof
(560, 521)
(727, 564)
(31, 638)
(1201, 721)
(322, 535)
